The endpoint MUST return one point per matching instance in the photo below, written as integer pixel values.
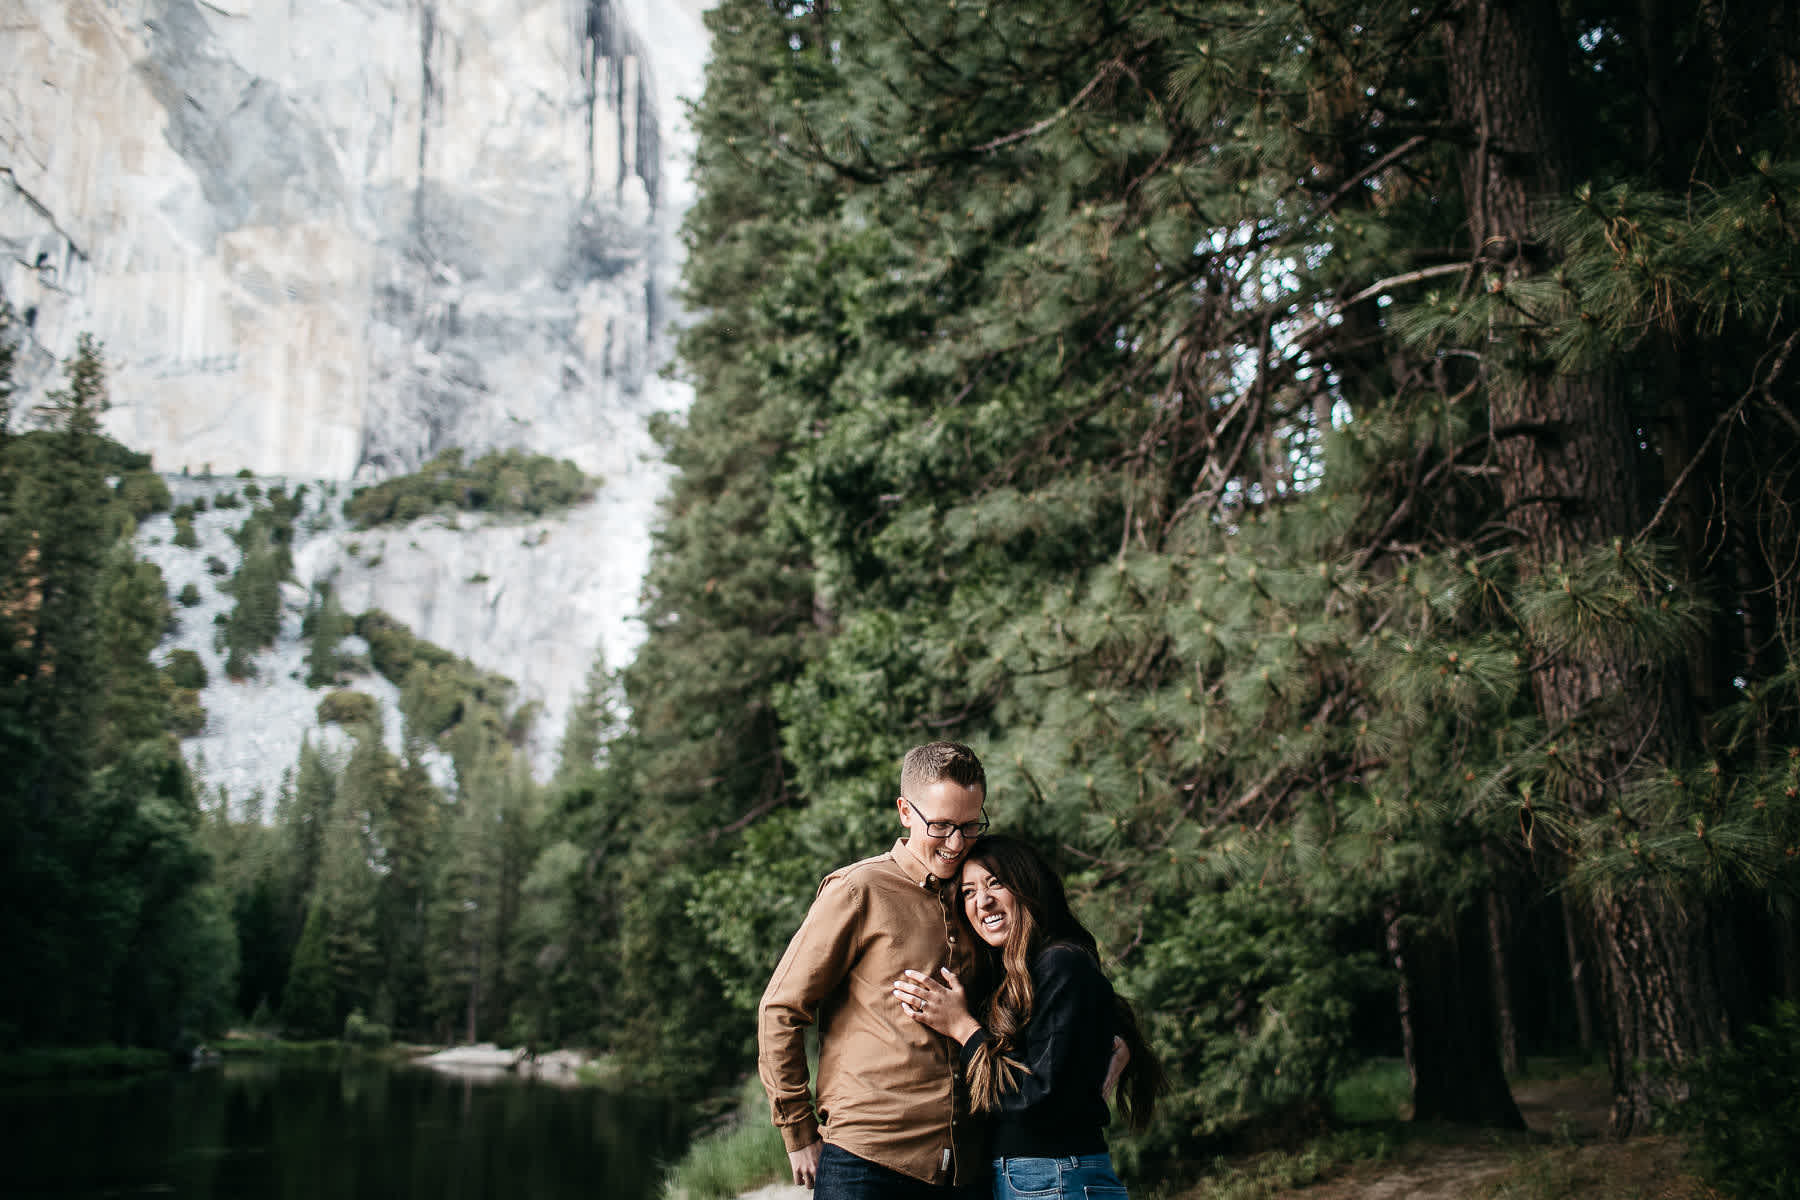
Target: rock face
(327, 240)
(332, 238)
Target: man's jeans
(844, 1176)
(1086, 1177)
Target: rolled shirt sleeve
(810, 970)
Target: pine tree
(344, 896)
(591, 723)
(309, 1001)
(1194, 408)
(325, 626)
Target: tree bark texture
(1569, 490)
(1578, 983)
(1448, 1023)
(1499, 940)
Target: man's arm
(813, 966)
(805, 1164)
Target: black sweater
(1056, 1111)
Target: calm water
(262, 1132)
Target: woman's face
(987, 903)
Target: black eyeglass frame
(970, 830)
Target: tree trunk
(1571, 487)
(1584, 1010)
(1498, 941)
(1447, 1023)
(1787, 946)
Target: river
(257, 1131)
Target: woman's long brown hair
(1041, 918)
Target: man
(887, 1094)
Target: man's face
(941, 803)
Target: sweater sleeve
(1068, 1006)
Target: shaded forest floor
(1567, 1153)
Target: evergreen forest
(1338, 463)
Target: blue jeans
(1086, 1177)
(845, 1176)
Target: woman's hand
(1115, 1067)
(941, 1007)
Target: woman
(1037, 1057)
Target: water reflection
(293, 1133)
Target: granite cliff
(324, 241)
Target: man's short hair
(935, 762)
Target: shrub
(183, 714)
(505, 481)
(143, 493)
(185, 537)
(263, 1019)
(216, 565)
(360, 1031)
(393, 648)
(190, 595)
(1743, 1109)
(347, 707)
(185, 670)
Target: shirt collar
(912, 868)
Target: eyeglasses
(943, 829)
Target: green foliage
(1377, 1091)
(184, 675)
(309, 1000)
(1254, 995)
(1117, 394)
(502, 481)
(393, 649)
(744, 1155)
(143, 493)
(189, 596)
(444, 698)
(104, 902)
(324, 627)
(1743, 1108)
(186, 713)
(1151, 397)
(184, 669)
(266, 562)
(86, 1062)
(365, 1034)
(349, 707)
(592, 723)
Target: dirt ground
(1567, 1154)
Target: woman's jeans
(1087, 1177)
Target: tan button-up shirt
(887, 1085)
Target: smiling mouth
(993, 922)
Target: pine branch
(1381, 164)
(1030, 131)
(1759, 389)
